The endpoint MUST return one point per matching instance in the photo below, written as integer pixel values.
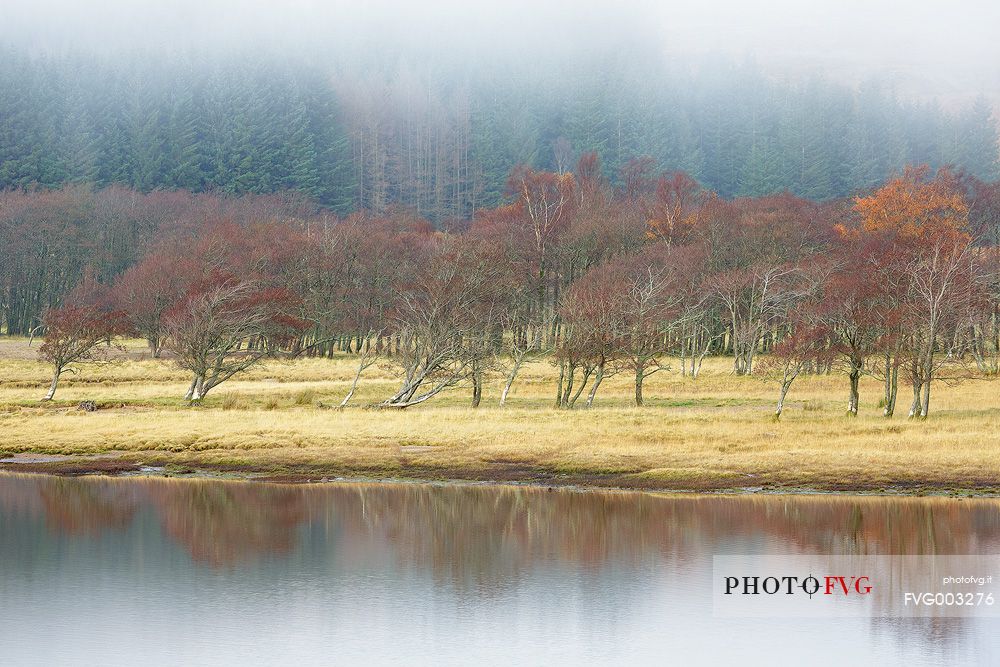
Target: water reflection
(74, 508)
(605, 572)
(460, 529)
(222, 524)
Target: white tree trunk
(198, 392)
(362, 365)
(52, 387)
(597, 383)
(190, 392)
(510, 380)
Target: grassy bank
(712, 433)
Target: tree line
(442, 139)
(899, 284)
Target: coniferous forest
(442, 140)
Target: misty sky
(950, 50)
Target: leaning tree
(81, 330)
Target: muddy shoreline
(489, 474)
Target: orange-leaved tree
(924, 218)
(917, 205)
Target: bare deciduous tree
(77, 333)
(225, 325)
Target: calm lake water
(98, 571)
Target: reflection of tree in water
(224, 523)
(477, 533)
(482, 534)
(217, 523)
(85, 509)
(859, 526)
(487, 540)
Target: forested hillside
(442, 139)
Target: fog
(431, 105)
(945, 50)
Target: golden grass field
(713, 433)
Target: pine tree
(862, 163)
(183, 147)
(19, 112)
(977, 141)
(79, 150)
(762, 171)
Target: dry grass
(713, 432)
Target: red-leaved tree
(81, 330)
